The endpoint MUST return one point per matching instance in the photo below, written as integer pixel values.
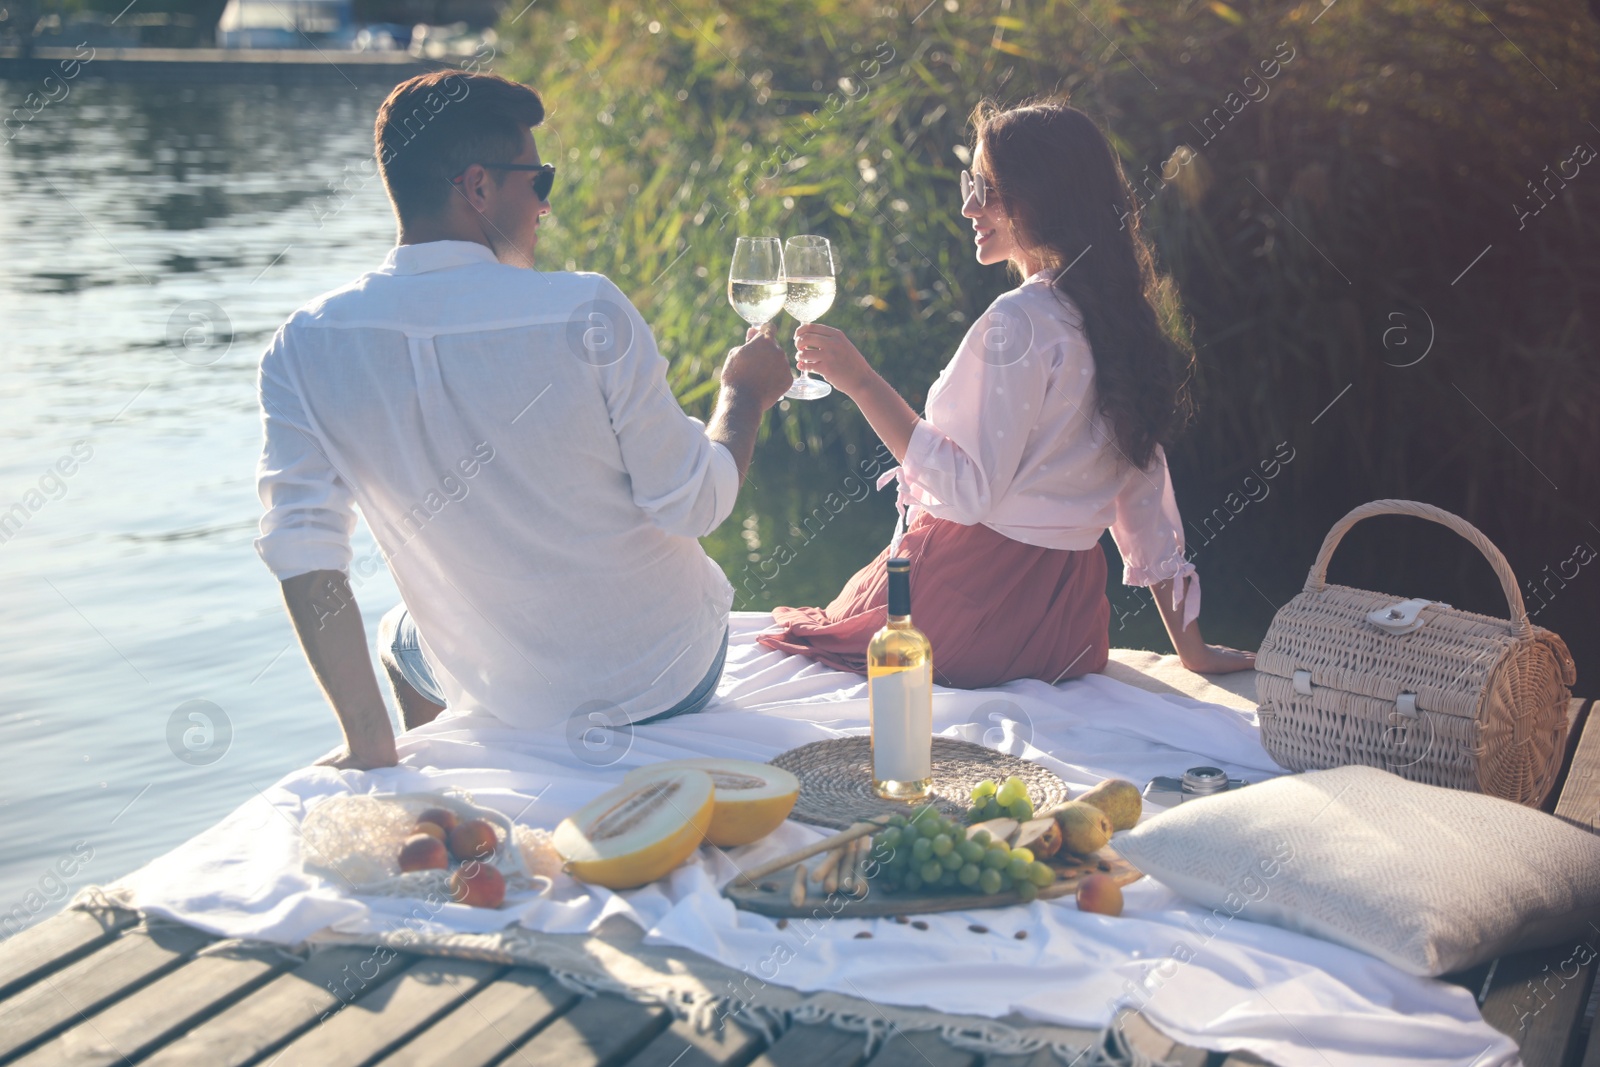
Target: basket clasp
(1403, 617)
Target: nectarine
(423, 852)
(443, 818)
(473, 840)
(477, 885)
(429, 828)
(1098, 893)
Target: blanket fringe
(701, 1008)
(704, 1012)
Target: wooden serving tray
(770, 895)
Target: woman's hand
(1217, 659)
(826, 351)
(1192, 650)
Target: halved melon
(752, 799)
(637, 832)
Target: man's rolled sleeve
(685, 482)
(310, 512)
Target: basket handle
(1318, 578)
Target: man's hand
(342, 759)
(759, 368)
(328, 622)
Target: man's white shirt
(510, 439)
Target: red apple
(423, 852)
(443, 818)
(477, 885)
(1100, 894)
(473, 840)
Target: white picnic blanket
(1289, 998)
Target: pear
(1084, 827)
(1119, 799)
(1040, 836)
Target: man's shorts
(418, 673)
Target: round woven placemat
(836, 780)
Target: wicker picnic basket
(1418, 688)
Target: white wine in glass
(810, 266)
(756, 285)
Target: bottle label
(902, 724)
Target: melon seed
(975, 928)
(626, 815)
(728, 780)
(864, 935)
(919, 925)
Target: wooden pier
(79, 990)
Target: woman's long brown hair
(1063, 189)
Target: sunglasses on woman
(973, 185)
(544, 175)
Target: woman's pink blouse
(1011, 439)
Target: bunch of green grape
(928, 853)
(1009, 799)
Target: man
(510, 440)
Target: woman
(1044, 430)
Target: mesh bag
(355, 842)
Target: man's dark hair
(434, 126)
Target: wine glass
(756, 285)
(809, 261)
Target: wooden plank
(1156, 1047)
(1578, 710)
(600, 1031)
(279, 1010)
(503, 1014)
(1591, 1055)
(54, 943)
(1537, 998)
(814, 1046)
(57, 1000)
(920, 1048)
(680, 1045)
(1580, 795)
(143, 1019)
(389, 1014)
(1043, 1058)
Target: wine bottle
(900, 697)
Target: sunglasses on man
(544, 175)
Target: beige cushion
(1429, 879)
